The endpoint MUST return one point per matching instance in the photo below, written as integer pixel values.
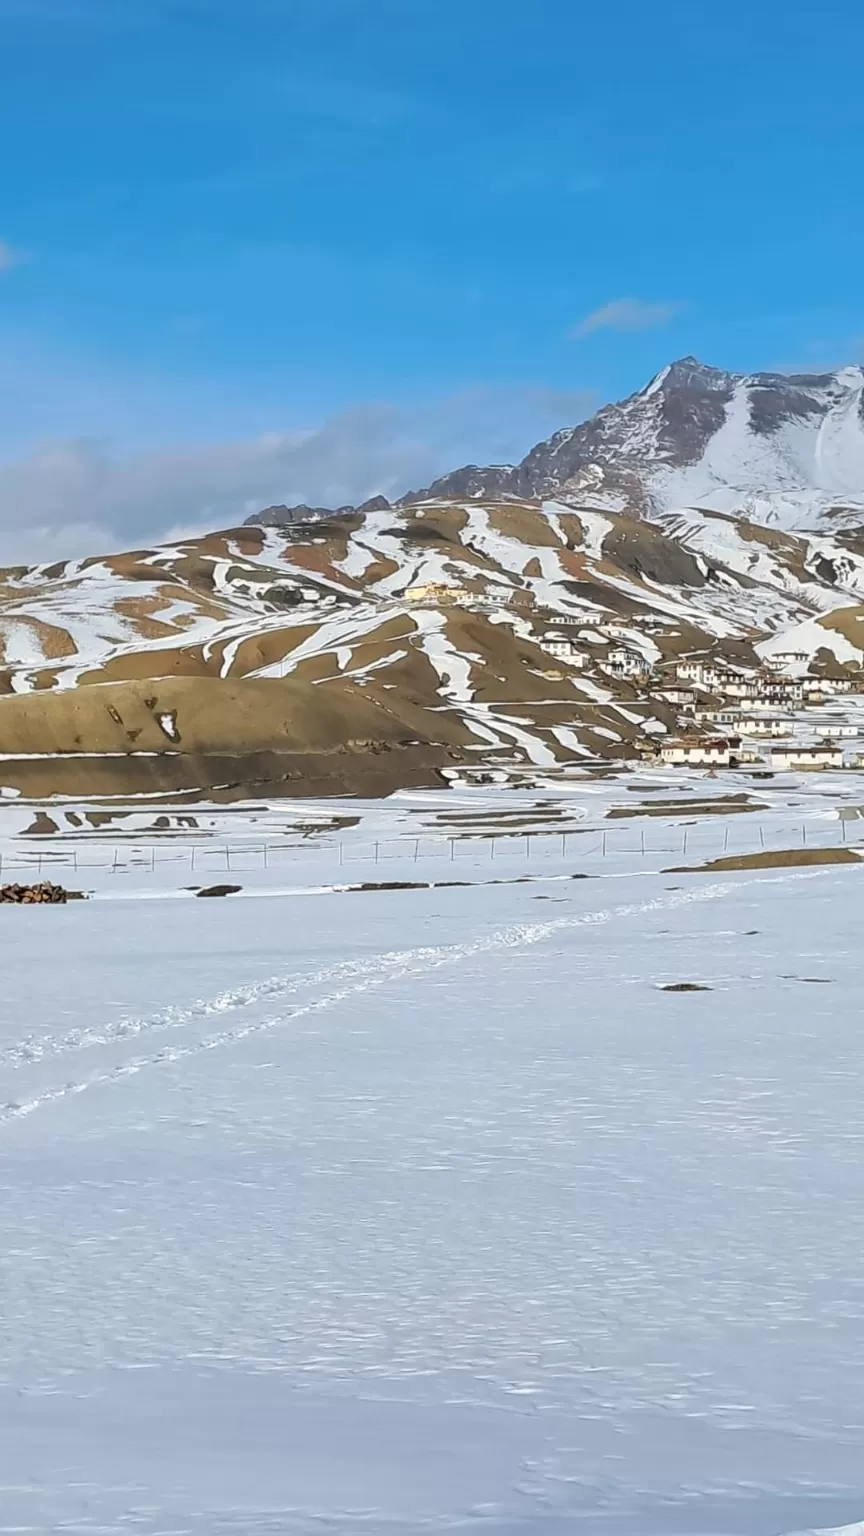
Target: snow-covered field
(425, 1211)
(615, 822)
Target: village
(786, 711)
(777, 714)
(779, 717)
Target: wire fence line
(644, 842)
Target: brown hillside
(213, 715)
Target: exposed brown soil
(785, 858)
(527, 525)
(217, 715)
(225, 778)
(848, 622)
(709, 808)
(219, 890)
(55, 643)
(686, 986)
(42, 825)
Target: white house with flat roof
(823, 755)
(780, 660)
(626, 663)
(565, 647)
(702, 751)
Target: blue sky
(233, 228)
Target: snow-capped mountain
(782, 449)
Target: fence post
(843, 827)
(492, 847)
(761, 835)
(726, 840)
(452, 849)
(684, 848)
(642, 840)
(416, 849)
(193, 857)
(265, 855)
(376, 851)
(604, 843)
(804, 833)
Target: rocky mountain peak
(781, 448)
(773, 447)
(689, 373)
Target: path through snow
(454, 1220)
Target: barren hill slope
(447, 631)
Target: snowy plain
(420, 1211)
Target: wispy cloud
(628, 315)
(78, 496)
(9, 257)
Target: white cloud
(9, 257)
(79, 496)
(627, 315)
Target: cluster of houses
(732, 714)
(763, 687)
(747, 730)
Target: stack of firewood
(29, 895)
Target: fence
(700, 840)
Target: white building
(747, 725)
(837, 730)
(762, 725)
(565, 647)
(436, 592)
(833, 684)
(673, 695)
(782, 659)
(702, 751)
(717, 675)
(705, 672)
(792, 757)
(778, 690)
(626, 663)
(735, 685)
(651, 620)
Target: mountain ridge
(781, 449)
(444, 634)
